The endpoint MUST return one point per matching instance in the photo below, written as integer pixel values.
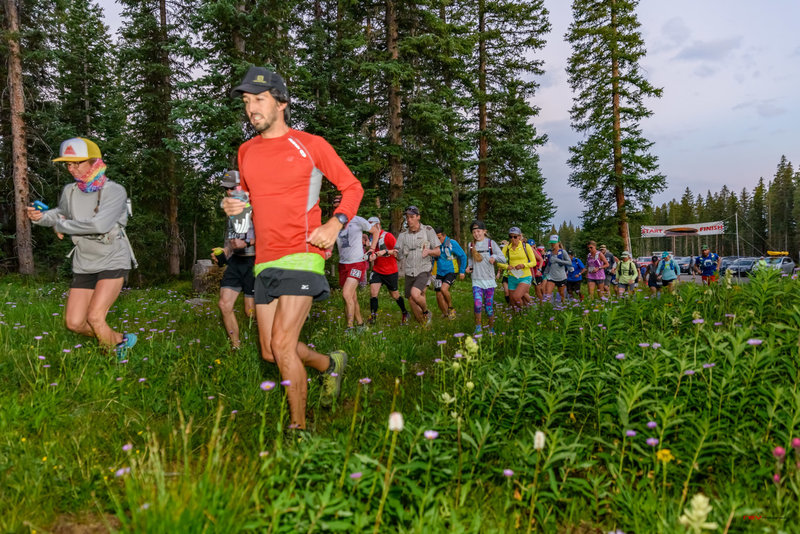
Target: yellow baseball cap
(78, 149)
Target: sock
(402, 303)
(373, 305)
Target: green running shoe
(332, 382)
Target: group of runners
(277, 243)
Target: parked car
(742, 266)
(727, 261)
(684, 263)
(643, 261)
(783, 263)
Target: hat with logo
(514, 230)
(412, 209)
(703, 247)
(373, 221)
(477, 225)
(261, 79)
(78, 149)
(625, 253)
(665, 254)
(553, 239)
(230, 179)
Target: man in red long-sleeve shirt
(281, 170)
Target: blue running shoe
(127, 343)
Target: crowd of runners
(277, 243)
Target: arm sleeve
(499, 257)
(52, 216)
(112, 207)
(503, 265)
(460, 255)
(337, 172)
(559, 260)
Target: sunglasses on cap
(511, 236)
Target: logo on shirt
(304, 287)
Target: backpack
(490, 247)
(525, 247)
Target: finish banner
(707, 228)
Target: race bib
(355, 273)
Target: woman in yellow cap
(94, 212)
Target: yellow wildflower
(665, 455)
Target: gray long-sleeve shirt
(99, 238)
(557, 266)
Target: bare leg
(227, 300)
(418, 304)
(441, 301)
(77, 310)
(352, 309)
(279, 324)
(105, 293)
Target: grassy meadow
(595, 417)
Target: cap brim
(71, 158)
(253, 89)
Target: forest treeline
(432, 103)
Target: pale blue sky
(729, 70)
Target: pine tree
(757, 218)
(613, 167)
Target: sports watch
(342, 218)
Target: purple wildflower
(652, 441)
(508, 473)
(779, 453)
(754, 342)
(689, 372)
(356, 475)
(287, 383)
(365, 380)
(127, 447)
(630, 433)
(620, 356)
(267, 385)
(644, 345)
(652, 424)
(708, 365)
(430, 434)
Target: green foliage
(208, 449)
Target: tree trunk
(173, 228)
(619, 191)
(395, 138)
(19, 149)
(483, 142)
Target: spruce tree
(613, 167)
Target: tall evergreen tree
(613, 166)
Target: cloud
(765, 108)
(730, 144)
(704, 71)
(676, 31)
(716, 50)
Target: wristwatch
(342, 218)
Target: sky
(728, 69)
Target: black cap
(258, 80)
(230, 179)
(476, 224)
(412, 209)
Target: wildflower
(796, 443)
(287, 383)
(456, 366)
(441, 342)
(437, 360)
(42, 358)
(472, 347)
(470, 386)
(127, 447)
(652, 424)
(708, 365)
(54, 384)
(396, 421)
(447, 399)
(664, 455)
(356, 475)
(421, 373)
(694, 517)
(630, 433)
(656, 345)
(365, 380)
(538, 440)
(144, 506)
(697, 321)
(652, 441)
(217, 361)
(779, 453)
(689, 372)
(267, 385)
(263, 453)
(620, 356)
(458, 355)
(754, 342)
(430, 434)
(776, 478)
(122, 471)
(508, 472)
(142, 380)
(644, 345)
(458, 334)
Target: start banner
(706, 228)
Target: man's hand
(492, 260)
(232, 206)
(325, 236)
(34, 214)
(238, 244)
(460, 276)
